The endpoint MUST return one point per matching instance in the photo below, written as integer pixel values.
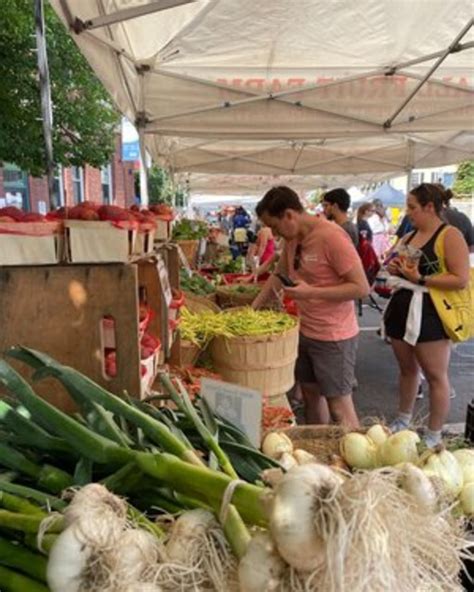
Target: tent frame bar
(453, 47)
(434, 114)
(224, 158)
(120, 16)
(253, 96)
(363, 156)
(119, 61)
(437, 82)
(247, 157)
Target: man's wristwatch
(422, 281)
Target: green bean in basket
(200, 328)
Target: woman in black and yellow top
(431, 351)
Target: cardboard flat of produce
(163, 229)
(143, 244)
(99, 242)
(30, 243)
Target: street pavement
(377, 375)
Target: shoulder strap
(408, 237)
(439, 230)
(439, 243)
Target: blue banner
(130, 151)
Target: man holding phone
(320, 259)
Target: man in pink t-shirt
(321, 259)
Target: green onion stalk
(204, 484)
(90, 445)
(22, 559)
(13, 503)
(47, 541)
(47, 477)
(28, 523)
(43, 499)
(13, 581)
(185, 405)
(158, 433)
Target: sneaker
(419, 394)
(431, 442)
(398, 425)
(452, 393)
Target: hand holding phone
(285, 280)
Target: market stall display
(252, 348)
(29, 239)
(187, 234)
(320, 526)
(237, 294)
(197, 285)
(85, 233)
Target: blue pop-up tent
(389, 196)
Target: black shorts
(396, 314)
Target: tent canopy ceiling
(257, 185)
(386, 153)
(281, 69)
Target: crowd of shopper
(320, 256)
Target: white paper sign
(239, 405)
(184, 261)
(164, 279)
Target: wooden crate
(169, 253)
(59, 310)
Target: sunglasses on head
(297, 257)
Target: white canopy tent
(220, 184)
(286, 86)
(281, 68)
(384, 153)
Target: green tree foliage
(85, 121)
(464, 184)
(162, 189)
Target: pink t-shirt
(327, 253)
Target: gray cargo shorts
(330, 364)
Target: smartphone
(285, 280)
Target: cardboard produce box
(30, 243)
(100, 241)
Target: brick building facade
(113, 183)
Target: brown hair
(363, 209)
(447, 193)
(427, 193)
(277, 200)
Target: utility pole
(46, 106)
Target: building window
(15, 183)
(448, 179)
(77, 183)
(436, 177)
(106, 180)
(417, 179)
(58, 186)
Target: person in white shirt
(380, 225)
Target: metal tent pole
(410, 163)
(45, 90)
(144, 199)
(451, 49)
